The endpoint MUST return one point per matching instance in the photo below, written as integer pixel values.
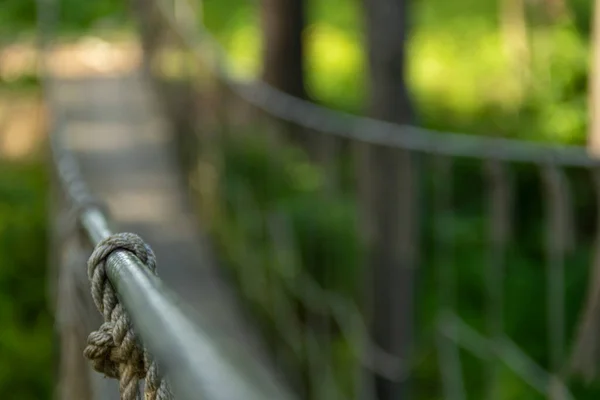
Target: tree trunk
(387, 184)
(386, 40)
(551, 10)
(283, 23)
(283, 51)
(556, 9)
(585, 354)
(594, 86)
(516, 43)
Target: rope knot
(114, 349)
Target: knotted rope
(114, 349)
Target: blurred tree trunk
(556, 9)
(551, 10)
(283, 53)
(283, 23)
(386, 186)
(516, 41)
(386, 40)
(594, 86)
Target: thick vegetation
(273, 219)
(25, 322)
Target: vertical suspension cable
(557, 237)
(448, 352)
(499, 201)
(585, 354)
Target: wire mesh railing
(356, 336)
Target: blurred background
(517, 69)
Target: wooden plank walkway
(126, 152)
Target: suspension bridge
(123, 147)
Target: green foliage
(462, 81)
(22, 84)
(260, 181)
(458, 69)
(25, 323)
(19, 17)
(262, 186)
(282, 182)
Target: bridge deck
(125, 150)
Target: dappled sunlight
(245, 46)
(22, 127)
(335, 63)
(106, 136)
(332, 51)
(459, 65)
(463, 77)
(462, 70)
(23, 120)
(17, 59)
(104, 57)
(86, 56)
(561, 121)
(94, 56)
(143, 205)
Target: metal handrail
(198, 365)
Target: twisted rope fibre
(114, 349)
